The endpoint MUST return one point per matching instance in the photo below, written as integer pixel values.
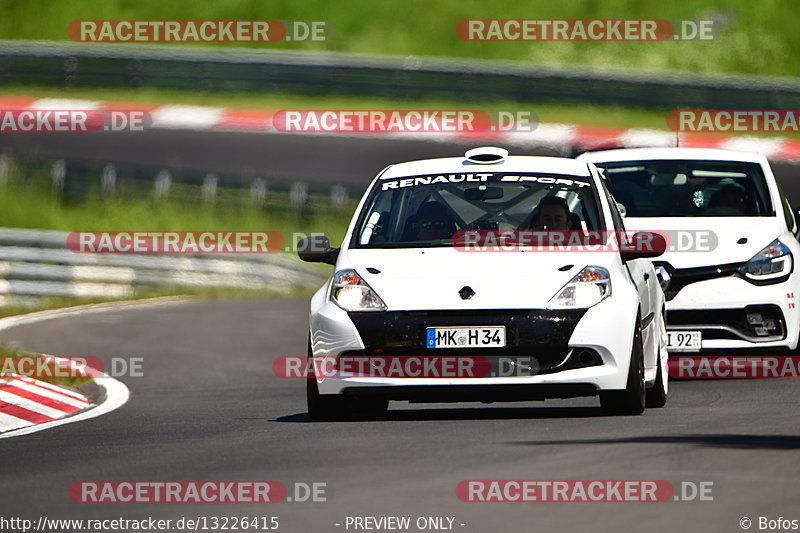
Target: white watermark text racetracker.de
(73, 120)
(582, 490)
(587, 30)
(193, 492)
(197, 31)
(585, 240)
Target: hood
(706, 241)
(431, 278)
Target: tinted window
(677, 188)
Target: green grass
(26, 201)
(758, 37)
(11, 358)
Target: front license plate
(467, 337)
(684, 341)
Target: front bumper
(556, 341)
(732, 313)
(472, 393)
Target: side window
(599, 174)
(619, 225)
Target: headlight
(589, 287)
(350, 292)
(773, 261)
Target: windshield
(428, 210)
(677, 188)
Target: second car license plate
(684, 341)
(467, 337)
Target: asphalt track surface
(317, 159)
(209, 408)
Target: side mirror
(317, 249)
(644, 245)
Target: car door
(640, 270)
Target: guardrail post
(209, 190)
(339, 197)
(108, 181)
(298, 196)
(258, 191)
(58, 175)
(163, 183)
(4, 169)
(70, 70)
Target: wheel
(323, 407)
(631, 400)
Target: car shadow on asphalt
(469, 413)
(735, 441)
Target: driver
(730, 199)
(552, 213)
(433, 222)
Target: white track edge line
(117, 393)
(39, 316)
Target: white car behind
(738, 289)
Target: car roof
(635, 154)
(449, 165)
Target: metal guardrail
(234, 69)
(36, 263)
(76, 178)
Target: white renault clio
(728, 272)
(568, 320)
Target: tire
(323, 407)
(656, 397)
(631, 400)
(368, 408)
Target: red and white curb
(28, 405)
(25, 402)
(563, 137)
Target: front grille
(755, 323)
(681, 277)
(539, 332)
